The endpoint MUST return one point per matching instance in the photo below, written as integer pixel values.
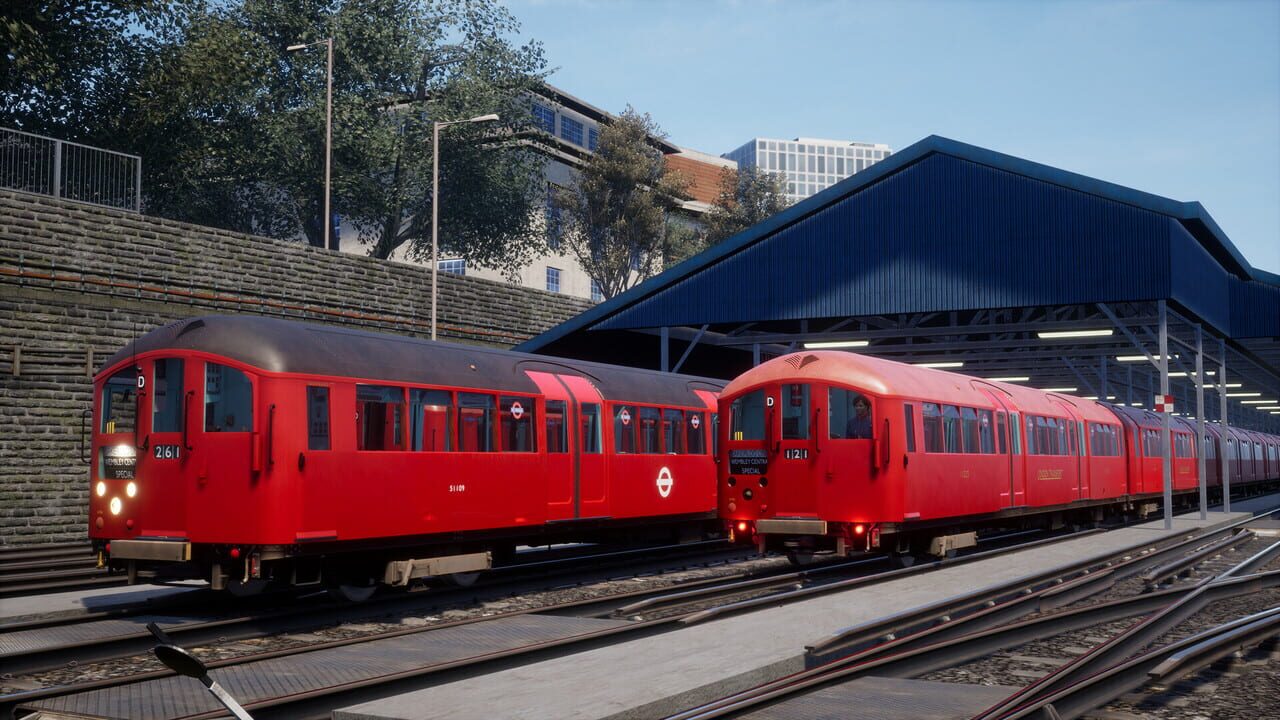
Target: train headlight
(100, 488)
(131, 489)
(116, 506)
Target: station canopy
(988, 264)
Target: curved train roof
(286, 346)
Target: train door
(562, 457)
(1079, 486)
(1006, 429)
(222, 433)
(791, 432)
(164, 451)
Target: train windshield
(850, 415)
(120, 402)
(746, 417)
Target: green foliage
(618, 218)
(231, 125)
(746, 197)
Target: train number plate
(166, 452)
(748, 462)
(795, 454)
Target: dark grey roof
(284, 346)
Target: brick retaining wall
(77, 282)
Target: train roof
(285, 346)
(888, 378)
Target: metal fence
(48, 166)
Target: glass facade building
(810, 165)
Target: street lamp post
(435, 204)
(328, 130)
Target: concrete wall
(77, 282)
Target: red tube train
(250, 449)
(838, 451)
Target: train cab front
(171, 446)
(801, 464)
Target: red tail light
(742, 526)
(859, 529)
(235, 553)
(108, 548)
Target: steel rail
(581, 607)
(953, 617)
(286, 619)
(1122, 646)
(951, 644)
(1159, 575)
(1163, 664)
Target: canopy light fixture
(1062, 334)
(1269, 407)
(1183, 374)
(832, 344)
(1060, 390)
(1258, 402)
(951, 364)
(1140, 358)
(1233, 385)
(1011, 378)
(1245, 394)
(1095, 397)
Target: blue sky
(1180, 99)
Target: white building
(570, 129)
(809, 164)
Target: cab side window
(746, 417)
(848, 415)
(228, 399)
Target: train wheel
(357, 592)
(242, 589)
(800, 558)
(462, 580)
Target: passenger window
(650, 432)
(590, 428)
(120, 402)
(166, 396)
(379, 417)
(909, 420)
(848, 415)
(795, 412)
(673, 431)
(430, 420)
(475, 422)
(228, 399)
(951, 429)
(969, 422)
(746, 417)
(932, 415)
(697, 433)
(317, 418)
(1000, 433)
(517, 425)
(557, 427)
(1031, 435)
(624, 429)
(985, 432)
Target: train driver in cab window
(854, 409)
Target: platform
(879, 698)
(90, 599)
(656, 676)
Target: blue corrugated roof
(811, 223)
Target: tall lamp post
(435, 204)
(328, 128)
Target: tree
(231, 126)
(617, 219)
(747, 196)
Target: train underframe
(804, 539)
(354, 570)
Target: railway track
(528, 634)
(51, 568)
(1073, 635)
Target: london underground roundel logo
(625, 417)
(517, 410)
(695, 421)
(665, 482)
